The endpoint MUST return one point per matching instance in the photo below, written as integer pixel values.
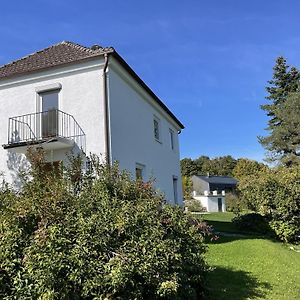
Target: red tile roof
(56, 55)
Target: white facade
(212, 203)
(131, 115)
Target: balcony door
(49, 113)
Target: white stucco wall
(132, 138)
(81, 96)
(131, 117)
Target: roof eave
(19, 74)
(145, 86)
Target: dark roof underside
(66, 53)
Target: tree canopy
(282, 142)
(222, 166)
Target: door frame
(39, 92)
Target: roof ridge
(88, 49)
(81, 47)
(31, 54)
(72, 44)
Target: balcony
(51, 130)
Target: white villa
(73, 98)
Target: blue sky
(209, 61)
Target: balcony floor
(48, 144)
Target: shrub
(194, 205)
(275, 193)
(233, 203)
(252, 222)
(97, 235)
(187, 187)
(285, 231)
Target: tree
(219, 166)
(203, 164)
(246, 167)
(289, 115)
(285, 81)
(188, 167)
(187, 187)
(223, 166)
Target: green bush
(252, 222)
(285, 231)
(275, 193)
(194, 205)
(98, 235)
(187, 187)
(233, 203)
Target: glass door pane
(49, 105)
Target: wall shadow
(231, 284)
(17, 164)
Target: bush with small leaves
(97, 235)
(252, 222)
(275, 193)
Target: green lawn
(220, 221)
(251, 267)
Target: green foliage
(252, 222)
(222, 166)
(275, 193)
(193, 205)
(282, 141)
(97, 235)
(246, 167)
(284, 230)
(187, 187)
(188, 167)
(234, 203)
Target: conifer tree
(285, 81)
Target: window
(171, 139)
(175, 189)
(156, 127)
(139, 171)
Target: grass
(250, 267)
(220, 221)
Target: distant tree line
(219, 166)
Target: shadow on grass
(223, 226)
(228, 232)
(230, 284)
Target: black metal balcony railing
(42, 126)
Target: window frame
(141, 167)
(175, 189)
(172, 139)
(157, 120)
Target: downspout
(106, 111)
